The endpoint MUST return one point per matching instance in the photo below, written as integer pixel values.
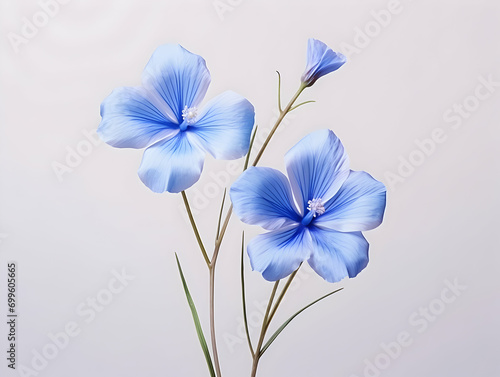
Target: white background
(69, 235)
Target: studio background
(72, 233)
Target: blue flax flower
(163, 116)
(316, 215)
(321, 60)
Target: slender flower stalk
(268, 318)
(282, 115)
(162, 117)
(218, 241)
(195, 228)
(243, 295)
(265, 322)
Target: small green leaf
(300, 104)
(196, 319)
(282, 327)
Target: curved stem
(265, 326)
(300, 104)
(212, 263)
(268, 318)
(195, 228)
(243, 295)
(212, 322)
(285, 111)
(282, 295)
(279, 92)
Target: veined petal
(172, 165)
(180, 77)
(133, 117)
(337, 255)
(262, 196)
(317, 166)
(224, 126)
(358, 205)
(321, 60)
(278, 253)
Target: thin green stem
(287, 322)
(247, 159)
(279, 92)
(212, 263)
(243, 295)
(212, 322)
(282, 295)
(220, 213)
(195, 228)
(300, 104)
(265, 325)
(285, 111)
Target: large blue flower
(321, 60)
(163, 116)
(316, 215)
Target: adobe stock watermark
(380, 20)
(255, 317)
(87, 311)
(454, 117)
(224, 6)
(31, 26)
(419, 322)
(75, 155)
(201, 197)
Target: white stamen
(189, 114)
(316, 207)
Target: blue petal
(172, 165)
(337, 255)
(321, 60)
(262, 196)
(180, 77)
(133, 117)
(224, 126)
(317, 166)
(358, 205)
(277, 254)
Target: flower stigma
(189, 114)
(316, 207)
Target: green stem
(243, 295)
(212, 321)
(212, 263)
(195, 229)
(300, 104)
(279, 92)
(282, 295)
(268, 318)
(220, 213)
(265, 325)
(285, 111)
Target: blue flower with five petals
(321, 60)
(316, 215)
(164, 116)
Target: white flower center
(316, 207)
(189, 114)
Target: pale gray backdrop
(419, 73)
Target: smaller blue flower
(316, 215)
(321, 60)
(164, 116)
